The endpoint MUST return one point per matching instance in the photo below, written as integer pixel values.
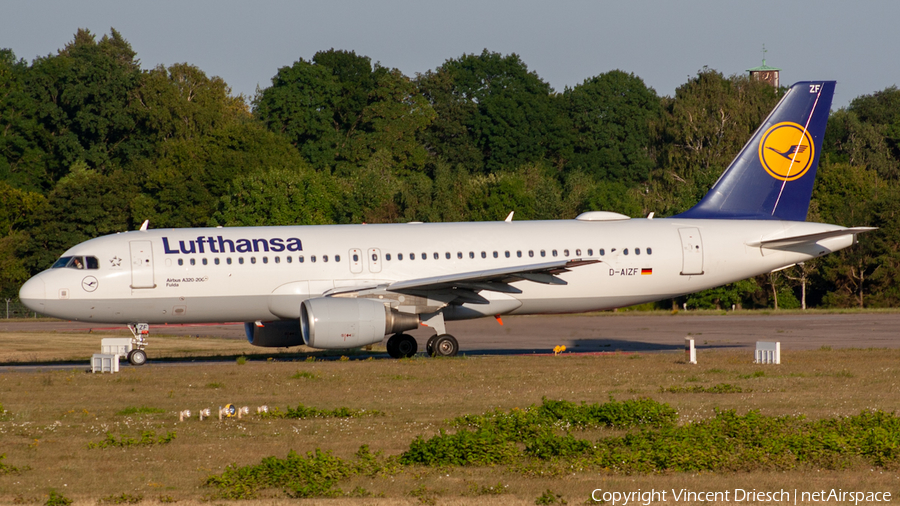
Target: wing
(496, 280)
(464, 287)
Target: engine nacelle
(277, 334)
(337, 322)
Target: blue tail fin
(772, 177)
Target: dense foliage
(92, 144)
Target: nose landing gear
(139, 334)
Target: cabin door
(142, 264)
(692, 251)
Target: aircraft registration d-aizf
(344, 286)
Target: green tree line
(92, 144)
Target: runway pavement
(633, 332)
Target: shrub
(302, 412)
(9, 469)
(465, 448)
(148, 438)
(520, 424)
(721, 388)
(313, 475)
(57, 499)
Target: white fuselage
(190, 279)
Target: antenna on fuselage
(144, 225)
(509, 218)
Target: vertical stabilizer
(772, 177)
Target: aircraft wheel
(429, 347)
(392, 346)
(137, 357)
(445, 346)
(406, 345)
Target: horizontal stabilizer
(783, 242)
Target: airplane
(347, 286)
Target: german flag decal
(646, 272)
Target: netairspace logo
(738, 495)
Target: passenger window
(337, 258)
(399, 256)
(241, 260)
(412, 256)
(530, 253)
(228, 260)
(265, 260)
(625, 252)
(590, 252)
(374, 257)
(387, 256)
(459, 255)
(277, 260)
(602, 252)
(355, 257)
(506, 253)
(578, 252)
(193, 261)
(312, 258)
(495, 254)
(447, 255)
(300, 259)
(519, 253)
(554, 253)
(637, 251)
(649, 251)
(543, 253)
(216, 260)
(252, 260)
(424, 256)
(324, 258)
(204, 261)
(483, 254)
(471, 254)
(437, 257)
(289, 259)
(565, 252)
(180, 261)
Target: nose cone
(33, 293)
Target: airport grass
(606, 400)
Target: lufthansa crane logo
(786, 151)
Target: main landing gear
(139, 334)
(441, 344)
(405, 346)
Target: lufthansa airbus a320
(344, 286)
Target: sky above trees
(565, 43)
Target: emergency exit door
(142, 264)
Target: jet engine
(277, 334)
(337, 322)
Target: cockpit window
(77, 262)
(62, 262)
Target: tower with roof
(765, 72)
